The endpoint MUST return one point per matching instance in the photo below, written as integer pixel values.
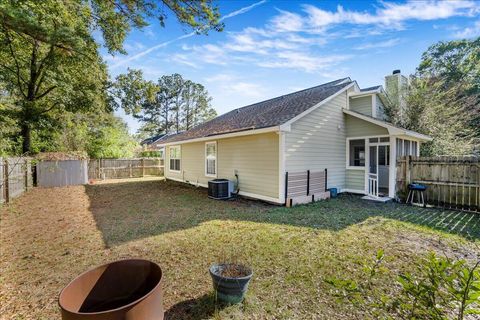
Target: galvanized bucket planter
(121, 290)
(230, 289)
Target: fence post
(6, 182)
(98, 169)
(286, 186)
(308, 182)
(326, 188)
(143, 167)
(130, 166)
(26, 174)
(408, 162)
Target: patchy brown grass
(48, 236)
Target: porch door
(373, 171)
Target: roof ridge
(291, 93)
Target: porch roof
(392, 129)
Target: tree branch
(17, 65)
(45, 92)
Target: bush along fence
(15, 177)
(125, 168)
(453, 182)
(305, 186)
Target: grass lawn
(48, 236)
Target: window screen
(175, 157)
(357, 153)
(211, 158)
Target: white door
(373, 171)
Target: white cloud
(381, 44)
(232, 84)
(469, 32)
(303, 61)
(391, 15)
(287, 22)
(184, 59)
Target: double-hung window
(175, 156)
(211, 159)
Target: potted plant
(230, 281)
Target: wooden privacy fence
(453, 182)
(305, 186)
(125, 168)
(15, 177)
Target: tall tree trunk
(26, 135)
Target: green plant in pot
(230, 280)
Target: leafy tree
(49, 59)
(196, 105)
(173, 104)
(443, 100)
(114, 18)
(100, 135)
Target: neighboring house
(336, 126)
(154, 143)
(150, 142)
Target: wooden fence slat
(125, 168)
(453, 182)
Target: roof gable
(268, 113)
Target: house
(154, 143)
(335, 126)
(150, 143)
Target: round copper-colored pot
(121, 290)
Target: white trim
(355, 168)
(203, 185)
(364, 93)
(324, 101)
(281, 165)
(170, 155)
(353, 191)
(242, 193)
(392, 174)
(347, 154)
(367, 165)
(205, 159)
(260, 197)
(392, 130)
(225, 135)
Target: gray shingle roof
(268, 113)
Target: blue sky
(270, 48)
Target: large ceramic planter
(230, 289)
(121, 290)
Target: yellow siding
(360, 128)
(253, 157)
(355, 179)
(317, 141)
(362, 105)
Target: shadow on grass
(200, 308)
(135, 210)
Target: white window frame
(348, 166)
(367, 145)
(216, 159)
(170, 158)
